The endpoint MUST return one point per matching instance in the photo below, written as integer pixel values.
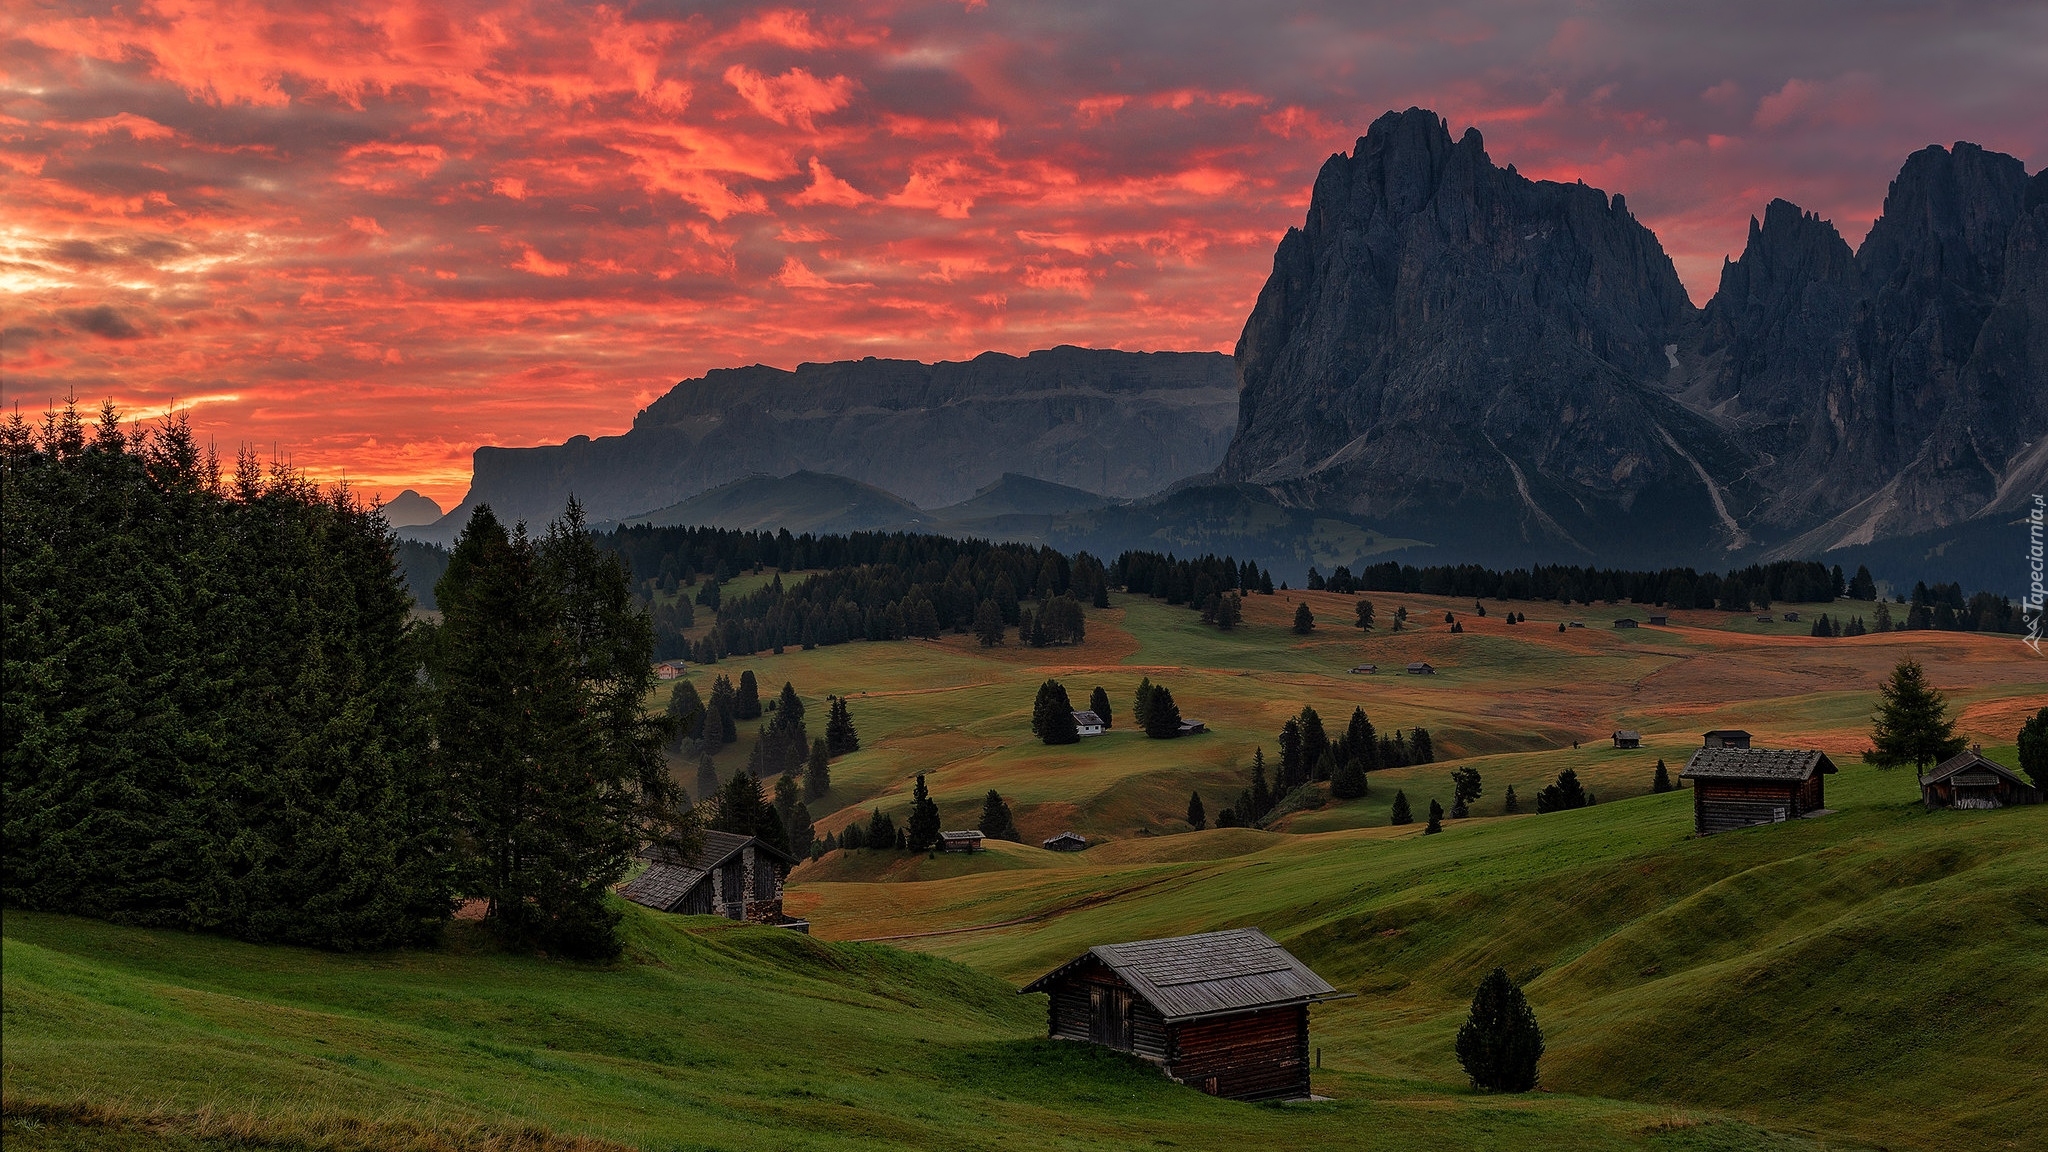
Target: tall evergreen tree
(1315, 742)
(721, 711)
(1500, 1043)
(797, 829)
(1661, 783)
(746, 701)
(996, 822)
(1304, 620)
(1349, 781)
(988, 624)
(1564, 795)
(1197, 818)
(1364, 614)
(686, 718)
(1465, 788)
(1510, 806)
(1052, 716)
(1421, 750)
(840, 735)
(1912, 725)
(1098, 703)
(1361, 740)
(921, 834)
(1436, 819)
(2033, 742)
(1259, 799)
(1162, 715)
(1401, 813)
(817, 771)
(1293, 768)
(1142, 701)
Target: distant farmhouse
(1627, 738)
(1739, 786)
(1971, 780)
(1364, 669)
(1087, 723)
(1225, 1012)
(1421, 668)
(668, 670)
(968, 841)
(737, 877)
(1066, 842)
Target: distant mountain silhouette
(409, 508)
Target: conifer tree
(1661, 783)
(795, 817)
(840, 735)
(1052, 716)
(1421, 750)
(746, 702)
(1265, 582)
(1162, 715)
(707, 778)
(988, 624)
(1564, 795)
(1912, 724)
(1314, 743)
(686, 718)
(1510, 806)
(1098, 703)
(1348, 783)
(881, 831)
(817, 771)
(1361, 740)
(1364, 614)
(2033, 745)
(1142, 701)
(1401, 813)
(996, 822)
(1229, 611)
(1197, 818)
(721, 711)
(1465, 788)
(921, 834)
(1292, 769)
(1500, 1044)
(1436, 819)
(1304, 620)
(853, 837)
(1258, 800)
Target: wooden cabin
(1421, 668)
(1969, 780)
(1659, 621)
(1192, 728)
(1791, 617)
(1066, 842)
(1225, 1012)
(1627, 738)
(1624, 622)
(1727, 738)
(737, 877)
(1087, 723)
(1364, 669)
(1740, 787)
(968, 841)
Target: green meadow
(1871, 978)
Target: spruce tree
(840, 734)
(1349, 781)
(1098, 703)
(881, 831)
(796, 818)
(988, 624)
(1052, 716)
(1500, 1044)
(1661, 783)
(1421, 750)
(921, 834)
(1465, 789)
(1229, 611)
(1304, 620)
(1197, 818)
(1564, 795)
(1510, 806)
(1912, 724)
(1436, 819)
(746, 702)
(1315, 743)
(707, 778)
(721, 711)
(1258, 800)
(817, 771)
(853, 837)
(686, 718)
(2033, 742)
(1162, 715)
(1364, 615)
(1292, 769)
(996, 822)
(1142, 701)
(1361, 740)
(1401, 813)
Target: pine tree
(1436, 819)
(746, 703)
(1401, 813)
(881, 831)
(1292, 768)
(1098, 703)
(707, 778)
(1861, 586)
(988, 624)
(1162, 715)
(1197, 818)
(1662, 782)
(1510, 806)
(1361, 740)
(721, 711)
(840, 734)
(1052, 716)
(817, 771)
(1912, 724)
(1141, 702)
(1304, 620)
(853, 837)
(996, 822)
(1564, 795)
(1258, 800)
(1420, 749)
(2033, 742)
(686, 718)
(1315, 743)
(795, 817)
(921, 834)
(1465, 789)
(1348, 782)
(1365, 615)
(1265, 582)
(1229, 611)
(1500, 1044)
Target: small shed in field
(1738, 787)
(1624, 622)
(737, 877)
(1192, 727)
(1066, 842)
(1087, 723)
(1970, 780)
(1659, 621)
(1627, 738)
(968, 841)
(1421, 668)
(1791, 617)
(1364, 669)
(1727, 738)
(1225, 1012)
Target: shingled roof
(1957, 763)
(1210, 974)
(670, 877)
(1756, 764)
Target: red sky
(378, 234)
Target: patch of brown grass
(315, 1132)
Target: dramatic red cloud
(379, 234)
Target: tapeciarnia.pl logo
(2036, 593)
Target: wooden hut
(1625, 622)
(1421, 668)
(968, 841)
(1226, 1012)
(737, 877)
(1660, 621)
(1627, 738)
(1739, 787)
(1727, 738)
(1969, 780)
(1066, 842)
(1087, 723)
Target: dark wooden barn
(1225, 1012)
(1627, 738)
(1969, 780)
(1727, 738)
(1066, 842)
(1738, 787)
(737, 877)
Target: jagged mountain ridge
(1119, 423)
(1455, 351)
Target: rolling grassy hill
(1870, 978)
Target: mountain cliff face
(1118, 423)
(1459, 353)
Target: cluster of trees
(1565, 794)
(875, 586)
(1341, 581)
(221, 716)
(919, 831)
(1308, 755)
(1214, 586)
(1154, 710)
(782, 747)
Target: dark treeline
(1310, 755)
(222, 715)
(875, 586)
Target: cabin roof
(669, 876)
(1725, 732)
(1086, 717)
(1962, 761)
(1627, 734)
(1074, 836)
(969, 834)
(1209, 974)
(1756, 764)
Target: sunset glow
(380, 234)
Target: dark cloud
(102, 321)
